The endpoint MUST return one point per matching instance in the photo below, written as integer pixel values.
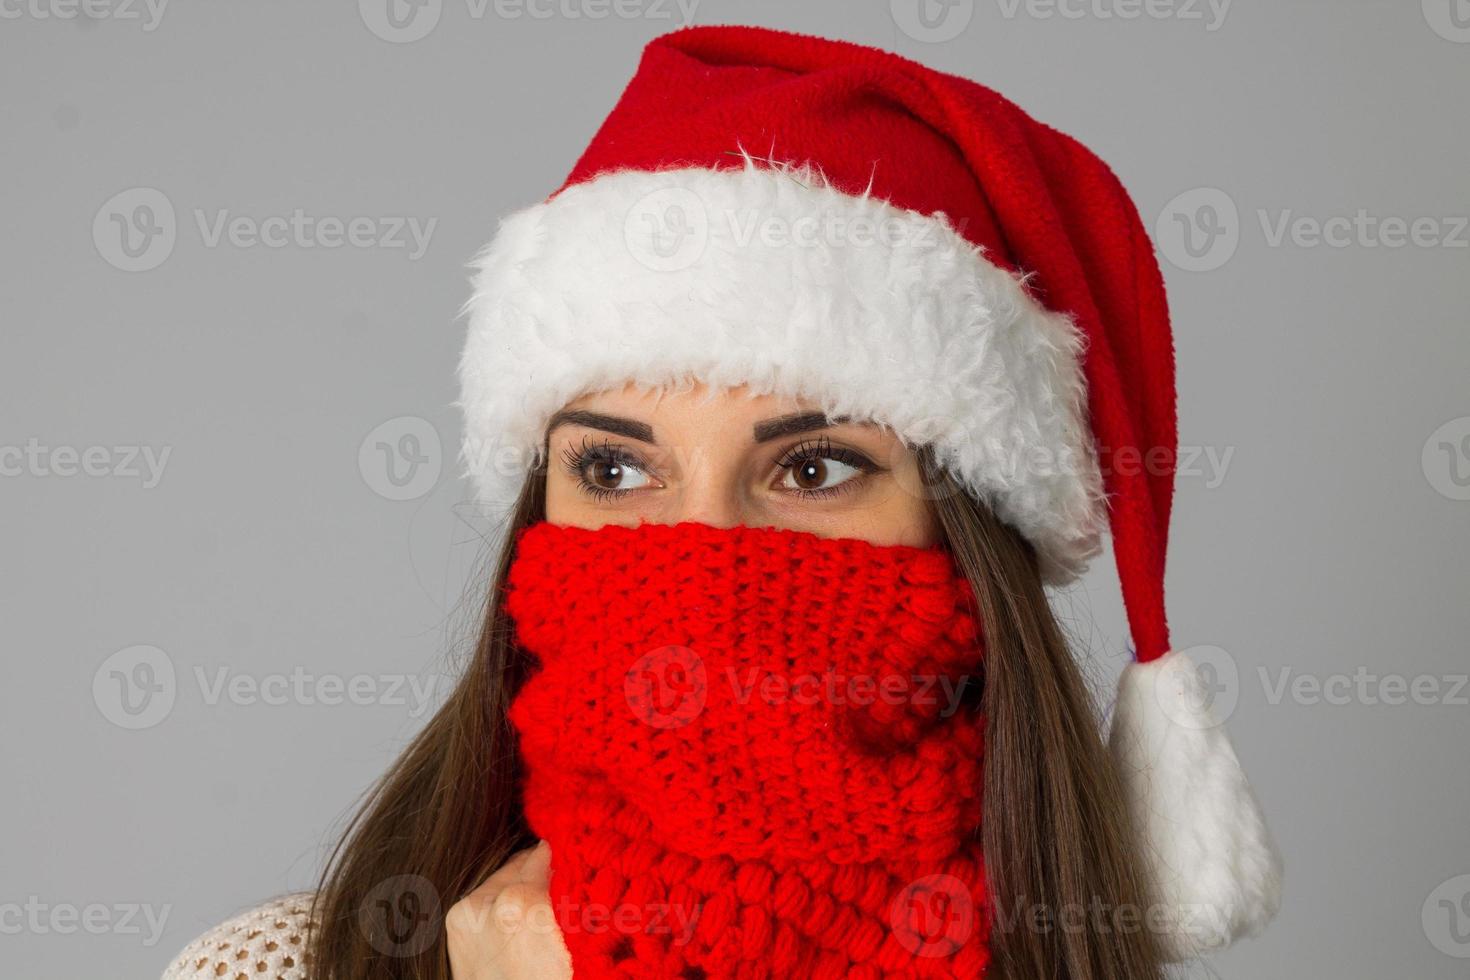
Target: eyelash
(822, 448)
(577, 461)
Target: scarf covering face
(751, 752)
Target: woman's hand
(505, 929)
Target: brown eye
(606, 474)
(613, 474)
(817, 473)
(810, 475)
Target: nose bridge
(712, 492)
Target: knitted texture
(752, 752)
(266, 943)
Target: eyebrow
(790, 425)
(616, 424)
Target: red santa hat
(830, 221)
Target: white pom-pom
(1214, 870)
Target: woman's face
(727, 458)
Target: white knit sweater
(266, 943)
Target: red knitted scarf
(752, 752)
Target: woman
(816, 369)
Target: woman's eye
(612, 474)
(818, 473)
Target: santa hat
(830, 221)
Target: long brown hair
(1055, 835)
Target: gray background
(1334, 543)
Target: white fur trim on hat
(1214, 869)
(772, 279)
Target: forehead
(695, 402)
(700, 412)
